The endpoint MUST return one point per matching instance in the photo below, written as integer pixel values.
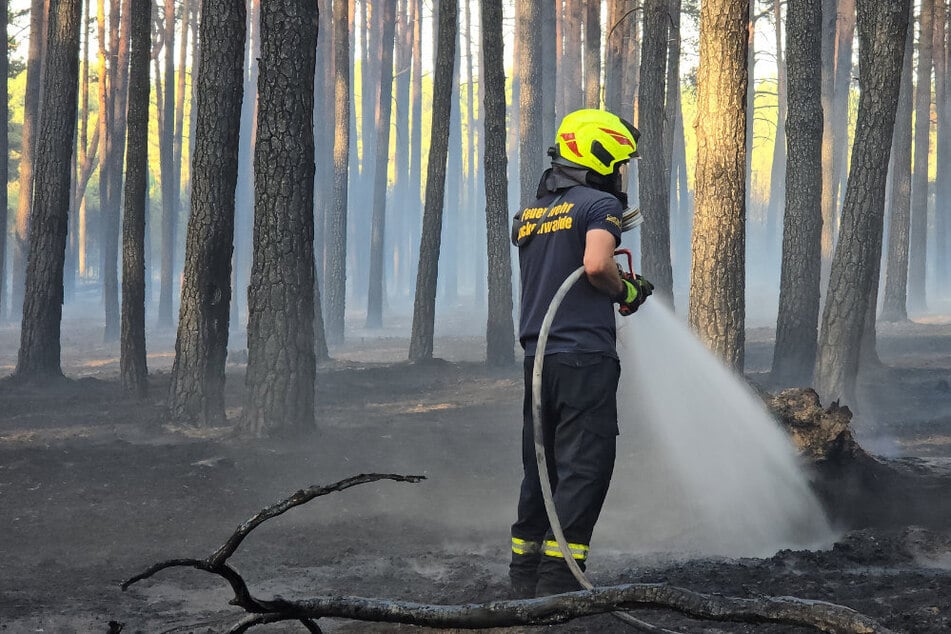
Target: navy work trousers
(579, 418)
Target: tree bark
(28, 135)
(4, 154)
(882, 27)
(894, 304)
(717, 303)
(376, 286)
(592, 53)
(653, 171)
(572, 64)
(281, 360)
(918, 254)
(943, 154)
(841, 94)
(530, 145)
(39, 355)
(335, 288)
(196, 394)
(797, 323)
(133, 368)
(500, 329)
(424, 307)
(777, 175)
(170, 189)
(828, 136)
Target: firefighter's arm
(599, 263)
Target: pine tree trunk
(500, 330)
(4, 155)
(196, 395)
(336, 255)
(281, 364)
(378, 223)
(530, 145)
(881, 27)
(828, 137)
(918, 255)
(653, 174)
(943, 158)
(841, 92)
(777, 174)
(894, 304)
(169, 181)
(592, 53)
(549, 70)
(39, 356)
(572, 65)
(797, 323)
(28, 135)
(424, 307)
(717, 303)
(133, 369)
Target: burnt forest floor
(95, 487)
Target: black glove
(636, 291)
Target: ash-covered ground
(94, 488)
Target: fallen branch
(823, 616)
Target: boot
(554, 577)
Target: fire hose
(540, 449)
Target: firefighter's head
(599, 142)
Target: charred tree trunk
(424, 308)
(881, 26)
(39, 356)
(132, 364)
(717, 304)
(797, 323)
(653, 171)
(894, 304)
(500, 330)
(196, 395)
(918, 253)
(335, 288)
(378, 223)
(281, 363)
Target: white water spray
(702, 466)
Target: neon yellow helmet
(595, 139)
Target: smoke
(702, 466)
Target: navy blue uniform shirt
(585, 320)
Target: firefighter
(576, 220)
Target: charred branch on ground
(561, 608)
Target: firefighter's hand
(636, 291)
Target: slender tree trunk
(378, 223)
(918, 259)
(592, 53)
(530, 146)
(28, 134)
(281, 360)
(797, 323)
(777, 175)
(841, 91)
(653, 170)
(132, 364)
(336, 276)
(415, 163)
(943, 158)
(177, 146)
(572, 65)
(500, 330)
(828, 136)
(894, 304)
(167, 166)
(881, 27)
(717, 304)
(39, 355)
(196, 395)
(424, 308)
(4, 155)
(549, 69)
